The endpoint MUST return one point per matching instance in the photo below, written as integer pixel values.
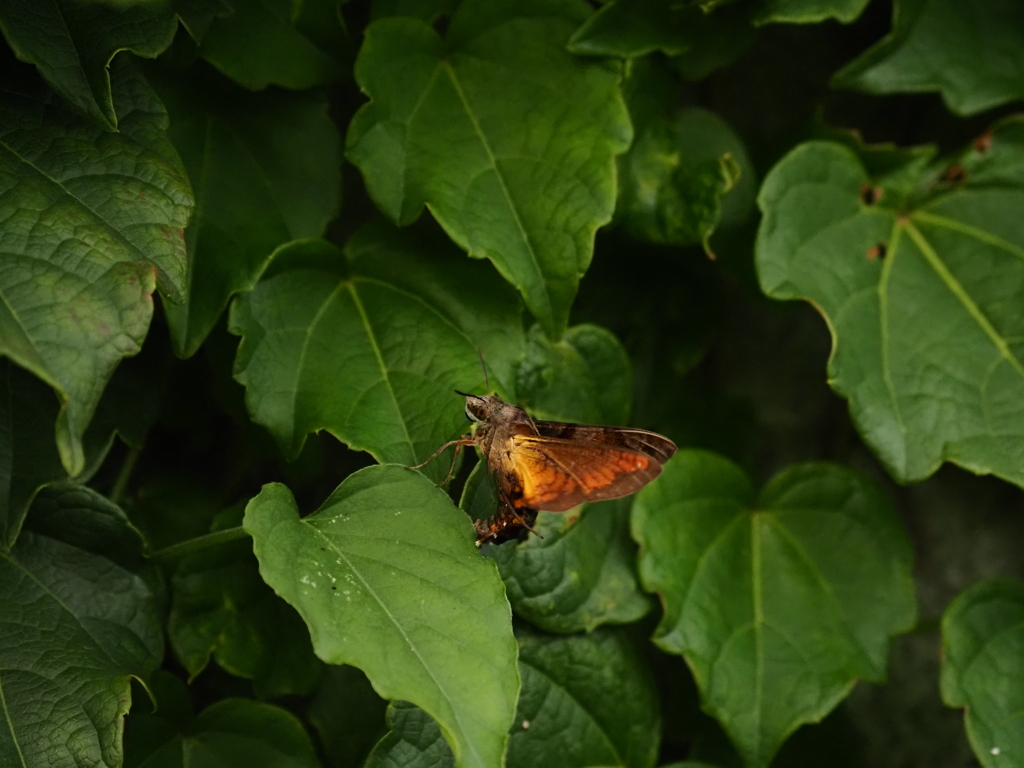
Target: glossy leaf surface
(444, 128)
(779, 602)
(361, 571)
(917, 269)
(85, 243)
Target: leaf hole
(877, 252)
(870, 195)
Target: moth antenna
(487, 383)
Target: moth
(553, 465)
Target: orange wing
(556, 474)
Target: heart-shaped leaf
(73, 43)
(918, 271)
(267, 169)
(388, 578)
(779, 602)
(276, 42)
(578, 573)
(91, 221)
(971, 53)
(983, 668)
(75, 626)
(357, 348)
(445, 128)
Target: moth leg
(522, 521)
(464, 440)
(451, 469)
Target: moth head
(480, 407)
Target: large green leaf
(919, 273)
(507, 137)
(578, 573)
(779, 602)
(73, 42)
(232, 733)
(983, 668)
(388, 578)
(587, 700)
(276, 42)
(75, 625)
(267, 169)
(91, 221)
(220, 607)
(370, 347)
(971, 53)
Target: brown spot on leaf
(955, 174)
(870, 195)
(877, 252)
(983, 143)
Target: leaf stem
(199, 543)
(124, 476)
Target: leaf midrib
(401, 630)
(958, 290)
(539, 273)
(118, 235)
(579, 703)
(10, 725)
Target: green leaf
(683, 175)
(971, 53)
(28, 455)
(277, 42)
(267, 169)
(369, 344)
(73, 43)
(982, 668)
(808, 11)
(74, 627)
(232, 733)
(413, 740)
(348, 715)
(91, 221)
(579, 575)
(587, 700)
(700, 40)
(585, 377)
(220, 607)
(388, 578)
(197, 15)
(506, 136)
(919, 274)
(779, 602)
(29, 459)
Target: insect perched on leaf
(553, 465)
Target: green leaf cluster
(250, 248)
